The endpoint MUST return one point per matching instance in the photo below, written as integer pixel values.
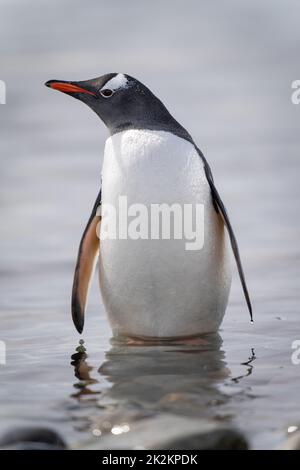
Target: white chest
(157, 287)
(152, 166)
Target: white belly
(157, 288)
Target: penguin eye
(106, 93)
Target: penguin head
(119, 100)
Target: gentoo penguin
(151, 288)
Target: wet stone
(32, 439)
(172, 432)
(293, 442)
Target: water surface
(225, 73)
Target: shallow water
(226, 74)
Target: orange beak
(67, 87)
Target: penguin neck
(171, 126)
(157, 118)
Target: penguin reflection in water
(152, 288)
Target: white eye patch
(115, 83)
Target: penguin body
(158, 288)
(152, 287)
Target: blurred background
(224, 70)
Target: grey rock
(29, 438)
(172, 432)
(218, 439)
(292, 443)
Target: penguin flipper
(86, 260)
(220, 208)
